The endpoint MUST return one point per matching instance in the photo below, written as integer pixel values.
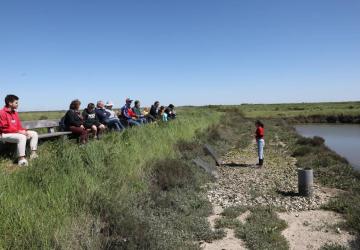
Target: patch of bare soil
(230, 242)
(313, 229)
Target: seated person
(137, 110)
(146, 114)
(11, 130)
(108, 117)
(74, 122)
(162, 114)
(170, 111)
(91, 121)
(128, 114)
(154, 110)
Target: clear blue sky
(184, 52)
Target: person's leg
(261, 151)
(101, 129)
(121, 126)
(80, 132)
(94, 131)
(133, 122)
(34, 138)
(258, 149)
(114, 124)
(20, 140)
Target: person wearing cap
(11, 130)
(107, 116)
(128, 114)
(137, 110)
(170, 111)
(109, 108)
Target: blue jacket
(125, 112)
(102, 114)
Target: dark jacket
(73, 118)
(90, 118)
(170, 112)
(154, 111)
(102, 115)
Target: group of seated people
(92, 120)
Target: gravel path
(240, 182)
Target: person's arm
(97, 120)
(101, 115)
(72, 119)
(125, 113)
(20, 127)
(3, 123)
(85, 115)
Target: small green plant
(262, 230)
(225, 222)
(234, 212)
(333, 246)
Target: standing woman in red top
(259, 135)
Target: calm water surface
(344, 139)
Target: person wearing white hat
(107, 116)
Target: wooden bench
(50, 125)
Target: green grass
(99, 195)
(332, 246)
(300, 109)
(41, 115)
(262, 230)
(139, 190)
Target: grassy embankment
(125, 191)
(129, 190)
(298, 110)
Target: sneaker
(23, 163)
(33, 156)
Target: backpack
(62, 126)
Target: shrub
(302, 151)
(315, 141)
(234, 212)
(171, 173)
(331, 119)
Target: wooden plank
(56, 134)
(204, 165)
(40, 124)
(210, 151)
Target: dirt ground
(240, 183)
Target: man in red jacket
(11, 130)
